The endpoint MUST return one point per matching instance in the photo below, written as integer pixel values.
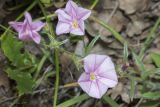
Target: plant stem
(40, 66)
(15, 101)
(70, 85)
(94, 4)
(139, 102)
(52, 36)
(57, 77)
(48, 16)
(47, 19)
(5, 28)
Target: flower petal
(93, 61)
(79, 30)
(71, 8)
(84, 77)
(84, 82)
(37, 25)
(36, 37)
(28, 17)
(102, 88)
(106, 72)
(99, 60)
(108, 82)
(63, 16)
(104, 63)
(62, 28)
(94, 90)
(25, 35)
(109, 74)
(89, 63)
(97, 89)
(107, 69)
(81, 25)
(16, 25)
(83, 13)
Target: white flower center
(26, 32)
(92, 76)
(75, 24)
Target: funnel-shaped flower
(28, 30)
(99, 75)
(71, 19)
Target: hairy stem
(57, 77)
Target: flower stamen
(75, 24)
(92, 76)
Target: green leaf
(125, 52)
(24, 81)
(138, 62)
(151, 95)
(149, 104)
(11, 48)
(140, 65)
(132, 85)
(90, 46)
(156, 58)
(74, 100)
(110, 101)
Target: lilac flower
(28, 30)
(71, 19)
(99, 75)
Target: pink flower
(99, 75)
(71, 19)
(28, 30)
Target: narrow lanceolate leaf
(24, 80)
(156, 59)
(132, 85)
(140, 65)
(90, 46)
(74, 100)
(151, 95)
(110, 101)
(11, 48)
(138, 62)
(125, 52)
(149, 104)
